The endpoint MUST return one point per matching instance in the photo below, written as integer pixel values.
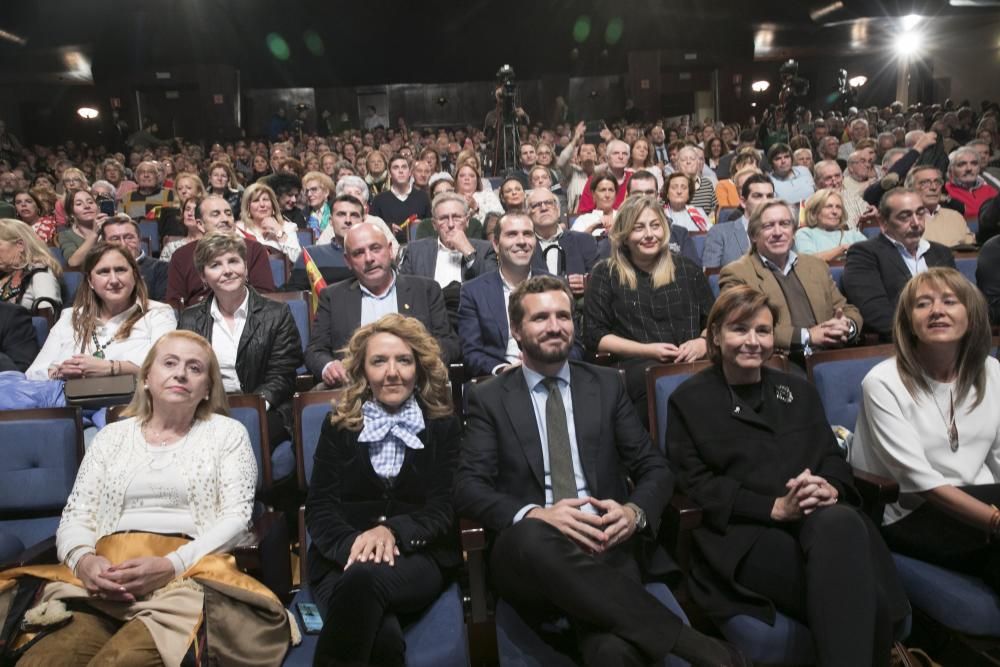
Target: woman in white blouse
(929, 421)
(112, 325)
(260, 217)
(156, 495)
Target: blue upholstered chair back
(278, 269)
(666, 378)
(41, 326)
(40, 453)
(150, 229)
(310, 410)
(247, 411)
(967, 266)
(837, 375)
(71, 281)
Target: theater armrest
(875, 492)
(679, 519)
(39, 554)
(479, 613)
(266, 556)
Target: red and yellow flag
(315, 278)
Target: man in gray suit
(452, 258)
(728, 241)
(375, 290)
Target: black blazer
(269, 352)
(346, 497)
(580, 249)
(501, 470)
(874, 277)
(419, 258)
(18, 344)
(339, 315)
(734, 463)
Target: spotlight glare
(857, 81)
(907, 44)
(911, 21)
(87, 113)
(759, 86)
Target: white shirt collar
(789, 263)
(369, 293)
(922, 247)
(239, 314)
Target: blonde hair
(35, 252)
(973, 348)
(431, 388)
(620, 262)
(814, 205)
(254, 192)
(232, 184)
(194, 178)
(141, 405)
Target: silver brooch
(783, 393)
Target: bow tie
(404, 424)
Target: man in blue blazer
(728, 241)
(487, 345)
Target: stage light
(908, 44)
(911, 21)
(857, 81)
(760, 86)
(87, 113)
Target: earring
(146, 386)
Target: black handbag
(99, 392)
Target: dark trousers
(928, 534)
(540, 571)
(823, 572)
(360, 607)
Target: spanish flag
(315, 278)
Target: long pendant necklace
(98, 348)
(949, 421)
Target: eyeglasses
(928, 182)
(313, 190)
(539, 205)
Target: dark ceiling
(310, 43)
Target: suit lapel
(742, 240)
(494, 300)
(587, 421)
(517, 403)
(404, 296)
(894, 257)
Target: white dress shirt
(226, 342)
(914, 264)
(448, 267)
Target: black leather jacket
(270, 349)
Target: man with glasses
(942, 225)
(576, 252)
(964, 182)
(451, 257)
(877, 270)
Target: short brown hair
(213, 244)
(735, 304)
(535, 285)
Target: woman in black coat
(254, 338)
(781, 525)
(379, 507)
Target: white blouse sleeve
(58, 347)
(43, 285)
(77, 532)
(158, 320)
(237, 477)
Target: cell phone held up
(106, 205)
(592, 135)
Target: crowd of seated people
(416, 260)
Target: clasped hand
(806, 493)
(126, 581)
(376, 545)
(595, 533)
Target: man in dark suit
(487, 345)
(375, 290)
(545, 466)
(578, 250)
(18, 344)
(877, 270)
(452, 256)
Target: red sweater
(587, 198)
(972, 199)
